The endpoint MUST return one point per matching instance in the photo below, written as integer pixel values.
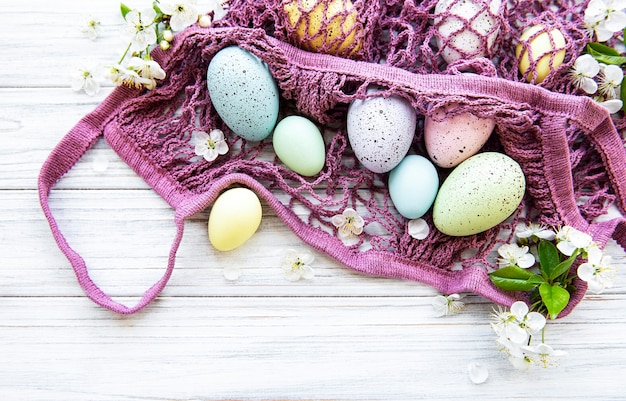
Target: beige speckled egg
(542, 48)
(454, 28)
(479, 194)
(451, 140)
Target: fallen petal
(478, 374)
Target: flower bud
(168, 35)
(204, 21)
(164, 44)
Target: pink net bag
(568, 146)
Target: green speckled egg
(479, 194)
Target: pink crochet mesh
(568, 147)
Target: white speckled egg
(413, 186)
(479, 194)
(451, 140)
(380, 130)
(453, 29)
(243, 92)
(299, 144)
(234, 218)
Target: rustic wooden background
(339, 336)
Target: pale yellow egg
(541, 48)
(323, 22)
(234, 218)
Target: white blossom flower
(569, 239)
(139, 27)
(209, 146)
(219, 8)
(612, 105)
(148, 69)
(120, 75)
(584, 70)
(447, 305)
(296, 265)
(610, 81)
(182, 13)
(418, 229)
(91, 27)
(542, 354)
(605, 17)
(598, 272)
(515, 255)
(349, 224)
(535, 232)
(86, 78)
(517, 325)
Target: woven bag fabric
(567, 145)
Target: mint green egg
(298, 143)
(413, 186)
(479, 194)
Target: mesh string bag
(568, 146)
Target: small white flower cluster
(145, 29)
(445, 305)
(606, 90)
(515, 330)
(597, 271)
(604, 18)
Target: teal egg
(298, 143)
(413, 186)
(243, 92)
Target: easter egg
(325, 26)
(299, 144)
(466, 28)
(479, 194)
(234, 218)
(243, 92)
(450, 140)
(380, 130)
(547, 49)
(413, 186)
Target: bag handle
(63, 157)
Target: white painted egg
(451, 140)
(243, 92)
(463, 41)
(479, 194)
(234, 218)
(380, 130)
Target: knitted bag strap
(63, 157)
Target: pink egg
(451, 140)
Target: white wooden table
(339, 336)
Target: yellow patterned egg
(320, 24)
(234, 218)
(547, 49)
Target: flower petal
(418, 229)
(588, 85)
(519, 309)
(477, 373)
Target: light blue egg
(243, 92)
(413, 186)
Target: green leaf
(563, 267)
(548, 257)
(603, 57)
(554, 297)
(514, 278)
(603, 49)
(124, 9)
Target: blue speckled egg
(479, 194)
(243, 92)
(413, 186)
